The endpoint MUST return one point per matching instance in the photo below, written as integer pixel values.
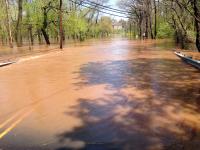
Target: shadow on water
(169, 78)
(143, 112)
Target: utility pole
(61, 26)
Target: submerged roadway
(101, 95)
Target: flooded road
(115, 94)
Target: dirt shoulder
(23, 53)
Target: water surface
(114, 94)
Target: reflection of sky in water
(117, 49)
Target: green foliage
(165, 30)
(40, 20)
(75, 25)
(2, 20)
(191, 35)
(93, 30)
(105, 25)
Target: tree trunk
(39, 37)
(63, 34)
(140, 26)
(46, 36)
(19, 24)
(44, 27)
(2, 41)
(31, 34)
(130, 27)
(150, 27)
(197, 23)
(155, 20)
(10, 38)
(61, 26)
(146, 27)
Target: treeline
(165, 18)
(38, 21)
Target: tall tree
(155, 19)
(10, 38)
(45, 23)
(195, 13)
(196, 7)
(19, 24)
(61, 26)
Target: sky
(113, 4)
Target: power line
(104, 11)
(106, 7)
(100, 10)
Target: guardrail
(6, 63)
(189, 60)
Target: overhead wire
(104, 7)
(81, 4)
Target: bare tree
(192, 7)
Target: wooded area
(36, 21)
(53, 21)
(164, 18)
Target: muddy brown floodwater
(109, 95)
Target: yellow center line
(10, 119)
(14, 124)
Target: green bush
(75, 25)
(165, 31)
(191, 36)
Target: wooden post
(61, 26)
